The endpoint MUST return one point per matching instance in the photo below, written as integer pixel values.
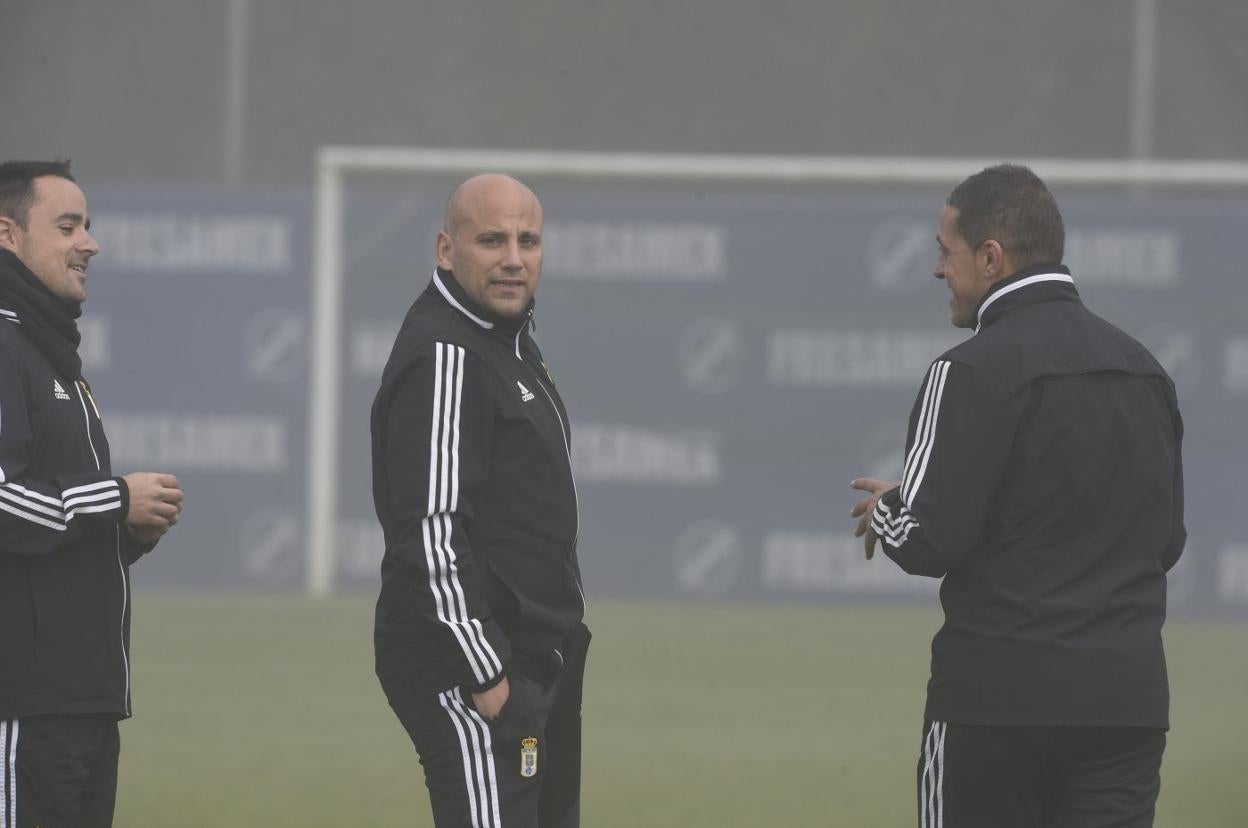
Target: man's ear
(993, 257)
(8, 234)
(444, 248)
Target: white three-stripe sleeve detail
(476, 634)
(473, 629)
(431, 506)
(54, 513)
(459, 395)
(908, 496)
(920, 429)
(444, 426)
(78, 500)
(893, 530)
(438, 588)
(33, 495)
(60, 527)
(438, 528)
(90, 487)
(940, 776)
(91, 510)
(431, 528)
(31, 505)
(451, 497)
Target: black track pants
(1038, 777)
(522, 770)
(59, 771)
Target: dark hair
(1009, 203)
(17, 185)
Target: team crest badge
(528, 757)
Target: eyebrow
(495, 231)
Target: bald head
(491, 240)
(481, 192)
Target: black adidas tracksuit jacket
(472, 483)
(1043, 481)
(64, 555)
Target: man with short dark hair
(69, 529)
(479, 639)
(1043, 482)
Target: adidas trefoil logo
(525, 394)
(58, 391)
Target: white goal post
(333, 164)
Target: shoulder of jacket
(418, 343)
(15, 346)
(986, 361)
(972, 352)
(12, 332)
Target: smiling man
(69, 529)
(1043, 482)
(479, 641)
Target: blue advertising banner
(731, 358)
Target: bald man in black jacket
(479, 639)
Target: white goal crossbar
(333, 163)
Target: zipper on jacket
(567, 447)
(87, 419)
(125, 585)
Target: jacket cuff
(491, 683)
(124, 490)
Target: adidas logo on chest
(59, 391)
(525, 394)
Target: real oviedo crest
(528, 757)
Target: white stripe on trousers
(448, 594)
(8, 779)
(932, 786)
(480, 779)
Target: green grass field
(263, 711)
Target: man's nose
(90, 246)
(511, 256)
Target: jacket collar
(1038, 283)
(445, 283)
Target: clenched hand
(155, 504)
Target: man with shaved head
(479, 641)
